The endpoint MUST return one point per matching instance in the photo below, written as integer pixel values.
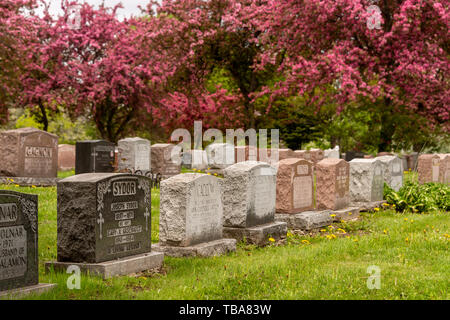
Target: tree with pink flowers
(395, 57)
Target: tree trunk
(44, 116)
(387, 130)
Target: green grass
(412, 251)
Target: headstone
(350, 155)
(317, 155)
(134, 155)
(186, 159)
(444, 169)
(28, 152)
(392, 171)
(295, 186)
(366, 180)
(428, 168)
(412, 160)
(18, 240)
(94, 156)
(303, 154)
(220, 155)
(199, 159)
(249, 194)
(103, 216)
(19, 265)
(66, 157)
(191, 210)
(162, 161)
(245, 153)
(332, 153)
(332, 184)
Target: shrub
(415, 197)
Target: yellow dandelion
(407, 240)
(33, 186)
(271, 239)
(332, 215)
(355, 240)
(385, 204)
(17, 185)
(209, 173)
(323, 230)
(377, 209)
(341, 230)
(385, 231)
(350, 213)
(406, 219)
(305, 242)
(215, 174)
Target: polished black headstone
(94, 156)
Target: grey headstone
(366, 180)
(199, 159)
(18, 240)
(392, 171)
(249, 194)
(134, 154)
(191, 210)
(103, 216)
(220, 155)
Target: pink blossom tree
(335, 48)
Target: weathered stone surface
(245, 153)
(21, 292)
(103, 216)
(162, 162)
(316, 155)
(191, 210)
(366, 180)
(332, 184)
(444, 168)
(94, 156)
(412, 161)
(186, 159)
(28, 152)
(249, 194)
(272, 156)
(347, 214)
(199, 159)
(368, 206)
(134, 154)
(306, 220)
(29, 182)
(119, 267)
(66, 157)
(205, 249)
(332, 153)
(220, 155)
(303, 154)
(295, 186)
(428, 168)
(18, 240)
(392, 171)
(258, 235)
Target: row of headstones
(434, 168)
(33, 153)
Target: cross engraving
(146, 215)
(101, 221)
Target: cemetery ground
(411, 250)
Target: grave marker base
(20, 292)
(30, 181)
(347, 214)
(368, 206)
(206, 249)
(257, 235)
(307, 221)
(120, 267)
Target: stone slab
(347, 214)
(332, 184)
(368, 206)
(366, 180)
(28, 181)
(18, 293)
(205, 249)
(307, 221)
(258, 235)
(95, 156)
(120, 267)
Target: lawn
(411, 250)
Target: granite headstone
(94, 156)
